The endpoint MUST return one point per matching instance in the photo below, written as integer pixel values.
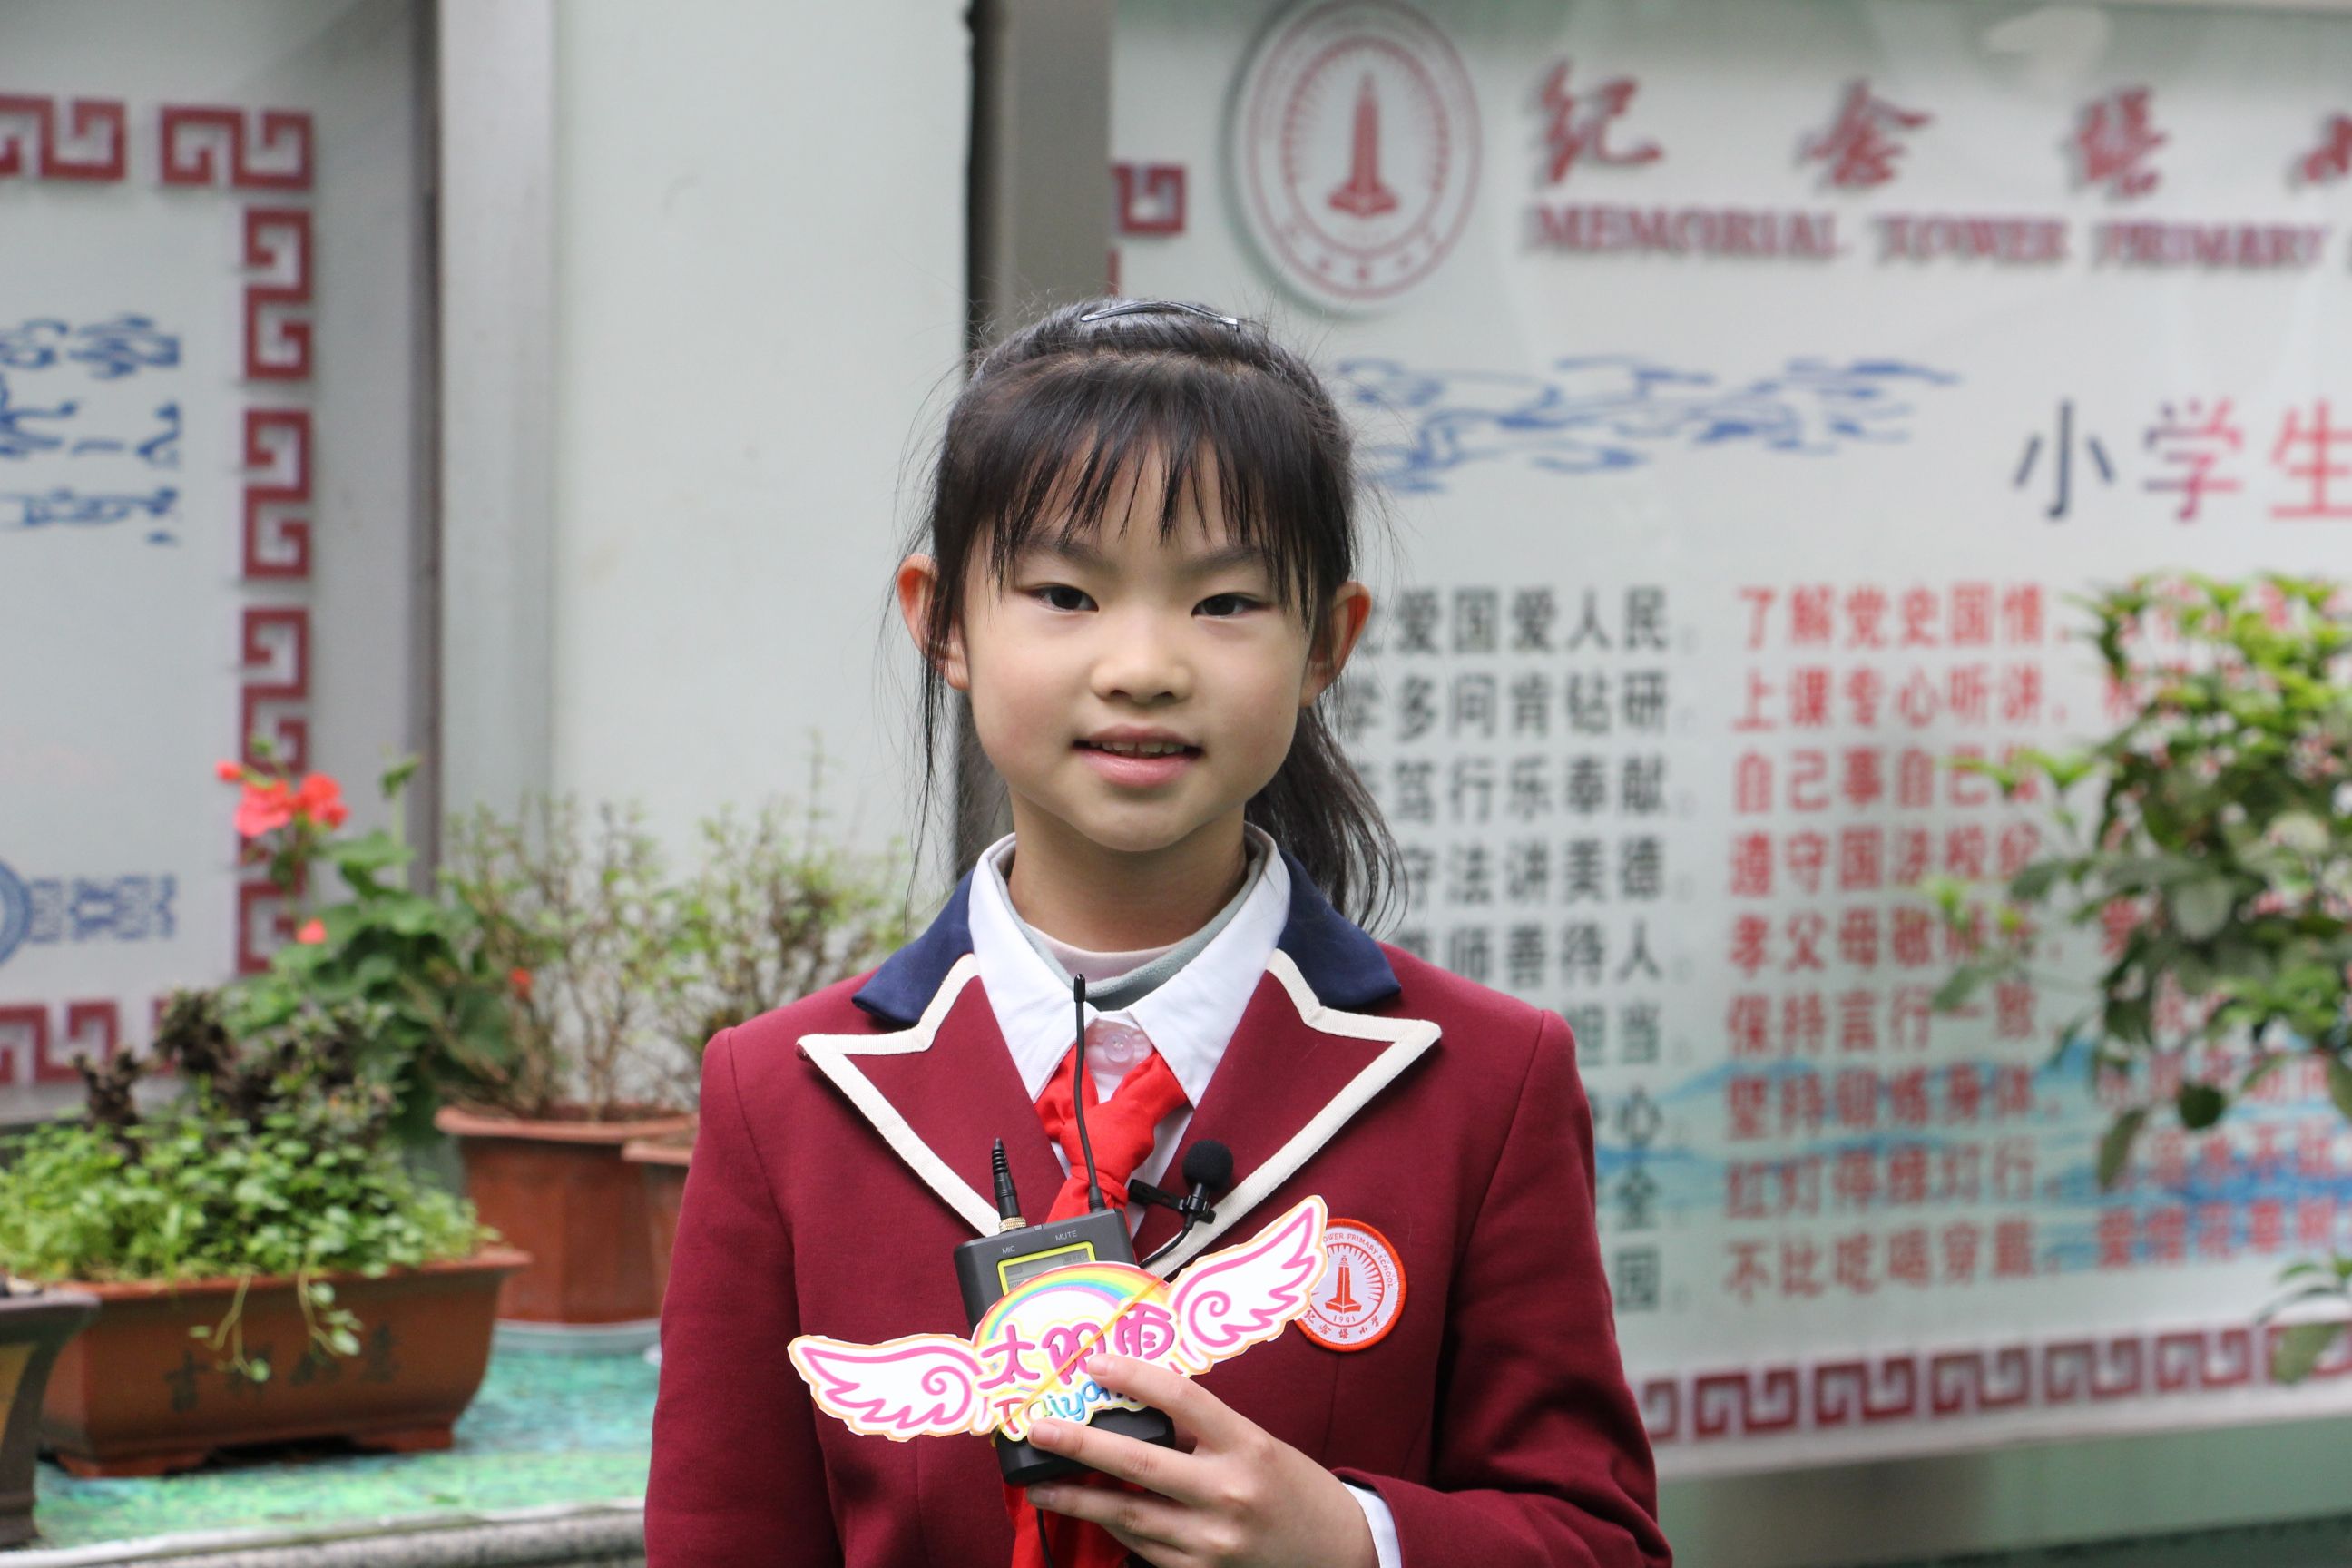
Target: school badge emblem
(1354, 148)
(1356, 1302)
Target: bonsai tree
(279, 1157)
(2211, 837)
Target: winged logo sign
(1022, 1362)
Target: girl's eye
(1227, 604)
(1061, 597)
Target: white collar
(1190, 1016)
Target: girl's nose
(1140, 661)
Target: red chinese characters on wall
(1579, 124)
(1861, 144)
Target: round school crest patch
(1361, 1291)
(1354, 147)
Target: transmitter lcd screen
(1013, 1270)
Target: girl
(1139, 569)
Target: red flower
(520, 980)
(265, 808)
(230, 772)
(314, 930)
(320, 799)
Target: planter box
(134, 1395)
(661, 1165)
(33, 1330)
(561, 1192)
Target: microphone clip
(1193, 1208)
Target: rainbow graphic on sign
(1021, 1362)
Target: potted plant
(440, 1023)
(2216, 859)
(777, 909)
(265, 1265)
(35, 1324)
(579, 923)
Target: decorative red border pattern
(265, 150)
(1151, 198)
(213, 147)
(1853, 1392)
(277, 239)
(277, 440)
(192, 138)
(98, 121)
(101, 1019)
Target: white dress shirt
(1189, 1017)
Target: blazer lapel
(1294, 1074)
(940, 1093)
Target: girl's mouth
(1139, 763)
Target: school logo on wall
(1354, 145)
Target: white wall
(759, 260)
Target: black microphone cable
(1094, 1203)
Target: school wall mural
(169, 508)
(1751, 389)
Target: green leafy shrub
(616, 974)
(776, 913)
(2219, 846)
(582, 923)
(438, 1024)
(278, 1157)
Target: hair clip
(1152, 307)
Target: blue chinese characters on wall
(1599, 414)
(44, 911)
(86, 425)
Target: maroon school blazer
(844, 1151)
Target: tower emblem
(1354, 148)
(1357, 1300)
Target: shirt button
(1122, 1046)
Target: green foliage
(2221, 834)
(773, 916)
(276, 1159)
(412, 960)
(581, 924)
(616, 975)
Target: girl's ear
(918, 583)
(1343, 622)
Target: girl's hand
(1238, 1498)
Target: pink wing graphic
(1227, 1301)
(922, 1384)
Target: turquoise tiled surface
(544, 1429)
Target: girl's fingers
(1137, 1520)
(1147, 1464)
(1194, 1409)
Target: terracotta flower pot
(561, 1191)
(661, 1165)
(33, 1329)
(135, 1394)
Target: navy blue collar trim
(1345, 968)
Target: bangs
(1058, 445)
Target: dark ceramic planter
(135, 1394)
(561, 1192)
(33, 1331)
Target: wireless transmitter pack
(992, 1266)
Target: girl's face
(1134, 692)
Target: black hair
(1060, 417)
